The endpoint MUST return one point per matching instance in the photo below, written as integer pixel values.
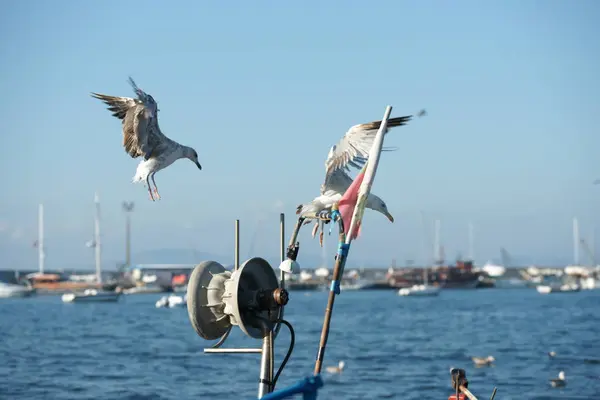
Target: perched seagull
(560, 381)
(336, 370)
(352, 150)
(143, 137)
(482, 362)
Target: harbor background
(394, 347)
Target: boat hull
(547, 289)
(6, 293)
(98, 297)
(420, 290)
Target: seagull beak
(198, 165)
(390, 217)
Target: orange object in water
(461, 396)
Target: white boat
(493, 270)
(90, 295)
(12, 290)
(420, 290)
(557, 288)
(143, 289)
(172, 301)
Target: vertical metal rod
(127, 239)
(264, 384)
(575, 241)
(436, 244)
(97, 244)
(41, 249)
(471, 246)
(340, 261)
(128, 209)
(236, 255)
(281, 273)
(282, 246)
(282, 236)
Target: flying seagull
(352, 150)
(142, 136)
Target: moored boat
(91, 295)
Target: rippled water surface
(393, 347)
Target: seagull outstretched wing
(141, 133)
(353, 149)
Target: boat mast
(41, 254)
(471, 250)
(423, 247)
(436, 244)
(575, 241)
(97, 246)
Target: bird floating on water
(551, 354)
(352, 150)
(142, 136)
(483, 361)
(336, 370)
(560, 381)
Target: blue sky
(263, 89)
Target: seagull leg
(149, 187)
(321, 234)
(314, 231)
(155, 187)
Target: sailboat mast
(97, 245)
(471, 250)
(575, 241)
(41, 254)
(436, 244)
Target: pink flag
(348, 202)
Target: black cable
(289, 353)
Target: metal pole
(281, 273)
(127, 240)
(41, 254)
(282, 237)
(471, 247)
(128, 208)
(264, 385)
(236, 255)
(575, 241)
(97, 246)
(282, 251)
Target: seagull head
(192, 155)
(375, 203)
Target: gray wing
(353, 149)
(338, 181)
(141, 134)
